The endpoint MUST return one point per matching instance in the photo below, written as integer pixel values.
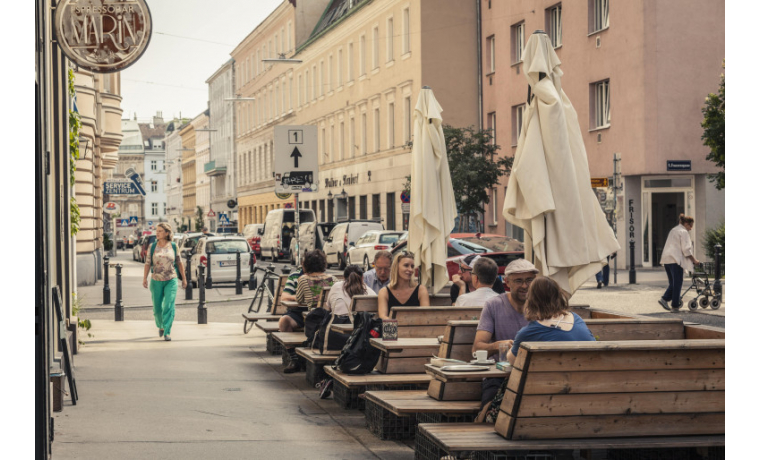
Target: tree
(199, 219)
(714, 136)
(475, 168)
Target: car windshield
(468, 248)
(227, 246)
(496, 243)
(389, 238)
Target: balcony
(212, 169)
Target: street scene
(392, 229)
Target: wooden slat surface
(410, 332)
(696, 332)
(342, 328)
(314, 356)
(433, 316)
(626, 360)
(268, 326)
(540, 347)
(451, 376)
(254, 318)
(458, 437)
(461, 352)
(364, 303)
(440, 300)
(376, 378)
(404, 344)
(289, 339)
(460, 331)
(403, 407)
(455, 391)
(635, 329)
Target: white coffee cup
(480, 355)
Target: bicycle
(262, 292)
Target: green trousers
(163, 294)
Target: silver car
(363, 252)
(223, 252)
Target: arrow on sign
(295, 155)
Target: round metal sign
(283, 196)
(103, 36)
(111, 207)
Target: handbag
(312, 322)
(327, 341)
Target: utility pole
(617, 186)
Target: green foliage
(712, 237)
(714, 135)
(107, 242)
(199, 219)
(475, 167)
(76, 309)
(76, 218)
(75, 125)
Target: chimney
(158, 119)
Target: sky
(191, 40)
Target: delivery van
(279, 228)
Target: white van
(279, 228)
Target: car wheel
(366, 264)
(341, 262)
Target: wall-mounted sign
(103, 36)
(600, 182)
(282, 196)
(120, 187)
(111, 207)
(679, 165)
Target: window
(153, 186)
(405, 45)
(352, 138)
(391, 125)
(491, 44)
(407, 119)
(164, 208)
(258, 60)
(306, 85)
(322, 78)
(332, 140)
(341, 150)
(389, 41)
(364, 134)
(330, 73)
(290, 94)
(375, 48)
(363, 56)
(290, 43)
(163, 165)
(390, 211)
(339, 70)
(376, 206)
(518, 112)
(363, 207)
(492, 126)
(154, 209)
(599, 15)
(494, 209)
(324, 147)
(350, 66)
(300, 90)
(153, 165)
(314, 82)
(601, 107)
(518, 42)
(554, 24)
(377, 129)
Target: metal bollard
(238, 283)
(252, 283)
(106, 287)
(632, 264)
(286, 270)
(189, 287)
(270, 280)
(718, 285)
(208, 275)
(202, 312)
(118, 308)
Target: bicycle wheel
(256, 301)
(247, 326)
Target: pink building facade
(637, 73)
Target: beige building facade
(99, 106)
(200, 126)
(637, 74)
(362, 68)
(187, 135)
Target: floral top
(310, 288)
(163, 263)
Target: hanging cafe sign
(103, 36)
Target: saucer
(486, 362)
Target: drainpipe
(481, 218)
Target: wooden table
(292, 304)
(404, 356)
(459, 386)
(342, 328)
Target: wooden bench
(288, 340)
(628, 391)
(314, 364)
(347, 388)
(394, 414)
(277, 308)
(404, 356)
(429, 321)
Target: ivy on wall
(75, 125)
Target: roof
(150, 131)
(335, 12)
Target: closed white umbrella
(549, 193)
(432, 204)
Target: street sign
(406, 208)
(133, 221)
(405, 196)
(120, 187)
(211, 213)
(111, 207)
(600, 182)
(124, 223)
(134, 176)
(223, 218)
(283, 196)
(296, 164)
(150, 223)
(679, 165)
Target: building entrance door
(663, 200)
(666, 207)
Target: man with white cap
(484, 274)
(502, 317)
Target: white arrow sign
(296, 165)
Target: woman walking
(677, 256)
(403, 290)
(164, 263)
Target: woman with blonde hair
(677, 256)
(402, 290)
(164, 262)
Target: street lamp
(343, 195)
(329, 195)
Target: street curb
(102, 308)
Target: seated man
(462, 281)
(484, 273)
(380, 276)
(502, 317)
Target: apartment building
(187, 136)
(153, 135)
(131, 156)
(173, 186)
(202, 189)
(361, 70)
(637, 74)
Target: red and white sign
(211, 213)
(111, 207)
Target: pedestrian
(403, 290)
(205, 230)
(677, 256)
(603, 277)
(165, 264)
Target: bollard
(286, 270)
(718, 285)
(208, 275)
(252, 283)
(632, 264)
(189, 287)
(118, 308)
(202, 312)
(238, 283)
(270, 280)
(106, 287)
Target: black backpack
(312, 323)
(329, 342)
(358, 356)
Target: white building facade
(154, 179)
(202, 188)
(173, 183)
(220, 167)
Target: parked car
(311, 235)
(188, 242)
(251, 234)
(279, 228)
(494, 242)
(145, 248)
(363, 253)
(131, 240)
(223, 251)
(136, 248)
(343, 236)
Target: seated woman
(403, 290)
(308, 291)
(550, 318)
(339, 298)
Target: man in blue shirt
(380, 276)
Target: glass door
(663, 200)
